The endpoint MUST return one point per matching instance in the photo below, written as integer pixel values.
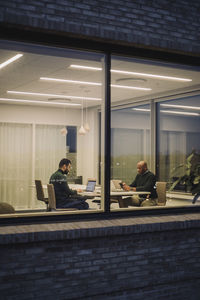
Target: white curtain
(27, 153)
(50, 148)
(15, 161)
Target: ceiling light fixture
(168, 112)
(82, 130)
(94, 83)
(130, 87)
(9, 61)
(134, 73)
(54, 95)
(179, 113)
(141, 109)
(85, 68)
(151, 75)
(38, 102)
(70, 81)
(180, 106)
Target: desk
(118, 196)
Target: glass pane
(51, 100)
(179, 148)
(136, 86)
(129, 142)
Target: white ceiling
(24, 75)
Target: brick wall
(162, 24)
(152, 258)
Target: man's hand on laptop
(79, 190)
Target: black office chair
(40, 193)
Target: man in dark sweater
(66, 197)
(144, 181)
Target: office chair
(52, 200)
(6, 208)
(161, 191)
(40, 193)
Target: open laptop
(90, 185)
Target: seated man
(144, 181)
(66, 197)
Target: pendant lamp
(86, 126)
(82, 130)
(63, 131)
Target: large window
(136, 87)
(50, 101)
(53, 105)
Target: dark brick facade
(152, 258)
(160, 24)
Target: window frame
(108, 48)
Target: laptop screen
(90, 186)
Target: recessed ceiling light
(181, 106)
(38, 102)
(54, 95)
(141, 109)
(9, 61)
(70, 81)
(151, 75)
(130, 87)
(168, 112)
(179, 113)
(134, 73)
(93, 83)
(85, 68)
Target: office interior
(52, 106)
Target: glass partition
(50, 101)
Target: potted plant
(191, 177)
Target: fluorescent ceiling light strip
(130, 87)
(9, 61)
(141, 109)
(168, 112)
(94, 83)
(85, 68)
(53, 95)
(133, 73)
(38, 102)
(150, 75)
(180, 106)
(70, 81)
(179, 113)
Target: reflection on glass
(179, 146)
(136, 86)
(130, 141)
